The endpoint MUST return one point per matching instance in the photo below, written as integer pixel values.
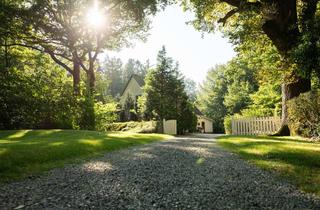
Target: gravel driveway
(182, 173)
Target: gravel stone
(182, 173)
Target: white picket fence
(255, 125)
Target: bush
(227, 124)
(304, 114)
(104, 114)
(137, 127)
(39, 97)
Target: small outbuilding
(204, 124)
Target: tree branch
(75, 55)
(227, 16)
(23, 45)
(240, 5)
(59, 62)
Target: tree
(61, 29)
(191, 89)
(211, 96)
(165, 97)
(265, 102)
(35, 92)
(112, 67)
(102, 86)
(186, 117)
(291, 25)
(73, 33)
(159, 97)
(248, 85)
(134, 67)
(119, 73)
(237, 97)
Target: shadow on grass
(297, 159)
(289, 139)
(23, 153)
(279, 151)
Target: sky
(195, 54)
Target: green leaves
(248, 85)
(104, 114)
(35, 93)
(304, 114)
(165, 96)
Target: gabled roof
(139, 79)
(200, 114)
(197, 111)
(136, 77)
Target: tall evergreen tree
(165, 96)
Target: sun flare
(95, 18)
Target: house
(134, 89)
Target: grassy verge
(293, 158)
(28, 152)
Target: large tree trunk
(283, 31)
(76, 78)
(91, 80)
(293, 86)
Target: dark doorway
(203, 127)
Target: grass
(29, 152)
(292, 157)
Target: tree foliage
(165, 96)
(242, 86)
(292, 26)
(35, 93)
(61, 29)
(119, 73)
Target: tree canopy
(292, 26)
(61, 29)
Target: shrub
(304, 114)
(137, 127)
(227, 124)
(37, 95)
(104, 114)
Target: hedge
(132, 126)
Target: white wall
(207, 124)
(133, 89)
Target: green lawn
(291, 157)
(28, 152)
